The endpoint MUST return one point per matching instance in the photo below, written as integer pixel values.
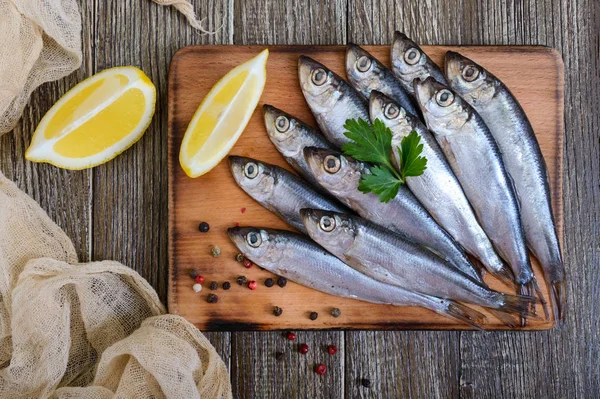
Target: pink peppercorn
(247, 263)
(243, 210)
(332, 349)
(252, 284)
(199, 279)
(303, 348)
(291, 336)
(321, 369)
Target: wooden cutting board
(535, 76)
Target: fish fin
(532, 288)
(521, 305)
(465, 314)
(506, 318)
(478, 266)
(505, 274)
(558, 292)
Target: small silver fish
(331, 99)
(476, 161)
(278, 190)
(365, 73)
(340, 175)
(409, 62)
(290, 135)
(437, 188)
(384, 256)
(299, 259)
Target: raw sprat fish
(278, 190)
(340, 175)
(477, 163)
(385, 256)
(523, 159)
(296, 257)
(365, 73)
(330, 98)
(437, 188)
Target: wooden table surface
(119, 210)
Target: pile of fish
(483, 200)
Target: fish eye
(327, 223)
(444, 98)
(319, 76)
(282, 124)
(412, 56)
(391, 111)
(254, 239)
(332, 164)
(251, 170)
(363, 63)
(470, 73)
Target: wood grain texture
(216, 198)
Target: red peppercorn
(332, 349)
(199, 279)
(252, 284)
(247, 263)
(321, 369)
(291, 336)
(243, 210)
(303, 348)
(237, 224)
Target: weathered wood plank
(130, 200)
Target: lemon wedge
(96, 120)
(222, 116)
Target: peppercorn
(365, 382)
(320, 369)
(252, 285)
(213, 285)
(247, 263)
(243, 210)
(212, 298)
(332, 349)
(226, 285)
(203, 227)
(199, 279)
(193, 273)
(277, 311)
(336, 312)
(282, 282)
(303, 349)
(241, 280)
(291, 336)
(269, 282)
(314, 315)
(279, 355)
(239, 257)
(197, 287)
(215, 251)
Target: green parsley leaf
(411, 163)
(369, 143)
(381, 182)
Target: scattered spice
(226, 285)
(252, 285)
(243, 210)
(291, 336)
(332, 349)
(239, 257)
(241, 280)
(279, 355)
(247, 263)
(313, 315)
(320, 369)
(203, 227)
(213, 285)
(237, 224)
(199, 279)
(197, 287)
(277, 311)
(282, 282)
(212, 298)
(365, 382)
(303, 349)
(193, 273)
(269, 282)
(336, 312)
(215, 251)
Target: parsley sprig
(373, 144)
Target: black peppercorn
(277, 311)
(241, 280)
(335, 312)
(212, 298)
(239, 257)
(282, 281)
(279, 355)
(203, 227)
(193, 273)
(365, 382)
(314, 315)
(269, 282)
(226, 285)
(213, 285)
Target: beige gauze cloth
(95, 330)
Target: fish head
(254, 177)
(362, 69)
(337, 173)
(285, 131)
(389, 112)
(444, 111)
(334, 231)
(320, 86)
(470, 80)
(409, 62)
(254, 243)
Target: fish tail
(532, 288)
(522, 306)
(558, 293)
(505, 274)
(464, 314)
